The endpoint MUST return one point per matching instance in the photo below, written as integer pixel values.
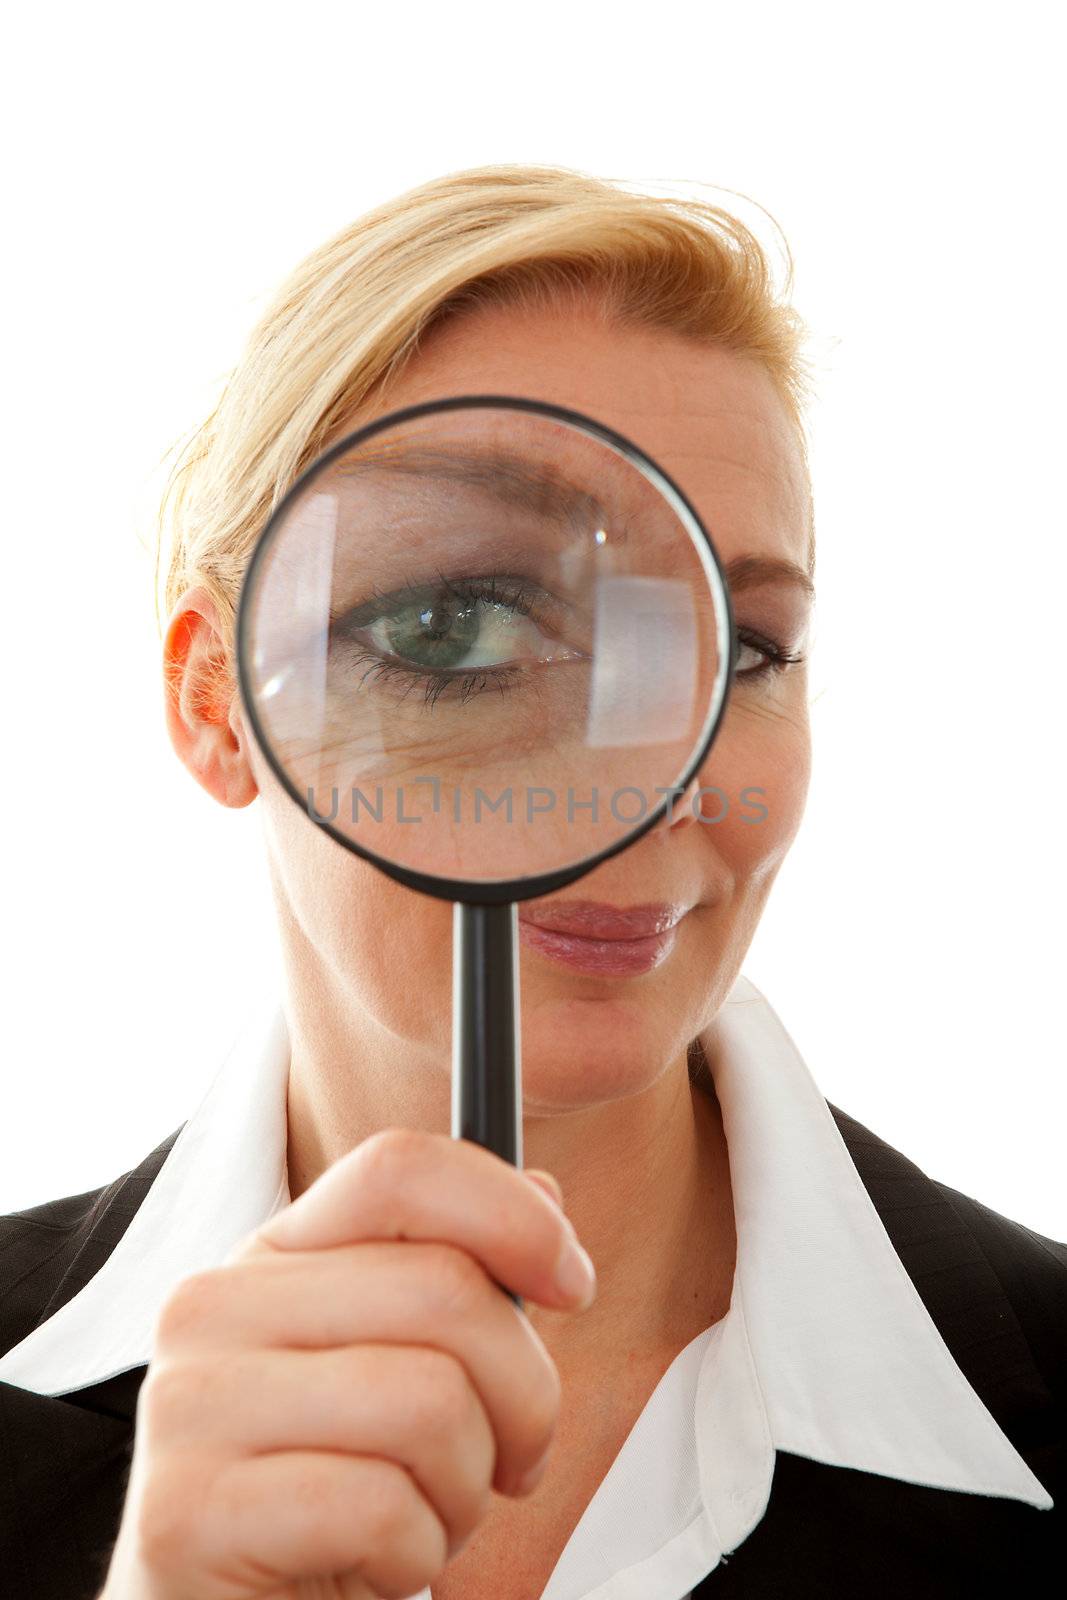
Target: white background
(167, 166)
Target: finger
(401, 1294)
(309, 1514)
(412, 1404)
(407, 1184)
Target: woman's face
(381, 952)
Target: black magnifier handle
(486, 1061)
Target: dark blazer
(996, 1290)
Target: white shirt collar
(827, 1350)
(224, 1175)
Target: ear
(203, 707)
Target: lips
(598, 939)
(592, 919)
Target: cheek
(388, 947)
(762, 763)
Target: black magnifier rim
(469, 891)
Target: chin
(595, 1048)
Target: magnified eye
(448, 632)
(475, 632)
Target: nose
(699, 801)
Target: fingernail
(576, 1275)
(546, 1182)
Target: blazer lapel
(831, 1530)
(945, 1242)
(64, 1459)
(63, 1473)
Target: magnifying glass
(482, 642)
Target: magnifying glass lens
(484, 643)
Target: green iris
(436, 634)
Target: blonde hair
(346, 320)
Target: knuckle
(446, 1396)
(166, 1520)
(249, 1250)
(171, 1394)
(541, 1394)
(381, 1170)
(388, 1510)
(309, 1496)
(455, 1281)
(192, 1305)
(385, 1155)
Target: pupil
(437, 635)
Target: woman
(800, 1366)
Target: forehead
(709, 416)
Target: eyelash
(467, 683)
(777, 660)
(516, 594)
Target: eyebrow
(747, 572)
(544, 489)
(548, 490)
